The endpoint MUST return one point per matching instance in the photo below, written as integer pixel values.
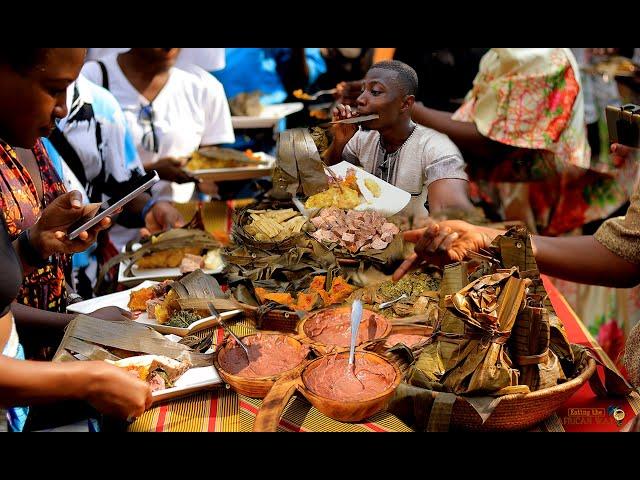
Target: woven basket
(520, 412)
(241, 218)
(273, 320)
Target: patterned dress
(44, 288)
(531, 98)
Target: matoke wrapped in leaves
(497, 334)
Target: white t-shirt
(190, 110)
(209, 59)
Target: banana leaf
(514, 249)
(298, 169)
(483, 365)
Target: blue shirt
(250, 69)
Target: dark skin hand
(465, 135)
(49, 234)
(171, 169)
(30, 317)
(382, 95)
(579, 259)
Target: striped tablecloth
(222, 410)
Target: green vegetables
(183, 319)
(413, 285)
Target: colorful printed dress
(531, 98)
(45, 287)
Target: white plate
(238, 173)
(121, 299)
(140, 274)
(391, 200)
(194, 379)
(270, 115)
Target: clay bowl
(254, 387)
(375, 325)
(275, 402)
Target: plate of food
(352, 188)
(170, 255)
(155, 304)
(169, 378)
(269, 115)
(219, 164)
(170, 367)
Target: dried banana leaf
(121, 335)
(298, 169)
(483, 365)
(514, 249)
(529, 344)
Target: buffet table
(222, 410)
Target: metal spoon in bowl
(218, 317)
(356, 318)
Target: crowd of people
(500, 134)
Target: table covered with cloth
(222, 410)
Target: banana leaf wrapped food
(270, 225)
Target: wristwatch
(29, 254)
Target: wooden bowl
(349, 410)
(275, 402)
(322, 348)
(254, 387)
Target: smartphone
(623, 124)
(141, 184)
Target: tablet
(141, 184)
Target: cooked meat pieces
(354, 230)
(191, 263)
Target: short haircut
(23, 60)
(407, 76)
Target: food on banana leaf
(158, 371)
(320, 138)
(316, 296)
(183, 318)
(412, 285)
(274, 225)
(421, 290)
(138, 299)
(167, 258)
(216, 157)
(354, 230)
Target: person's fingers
(348, 111)
(84, 236)
(144, 232)
(58, 235)
(75, 199)
(148, 400)
(404, 267)
(448, 242)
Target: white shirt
(209, 59)
(190, 110)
